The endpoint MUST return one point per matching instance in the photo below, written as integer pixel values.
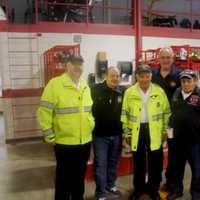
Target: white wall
(118, 48)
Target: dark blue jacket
(185, 118)
(170, 83)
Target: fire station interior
(34, 34)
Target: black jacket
(185, 118)
(170, 83)
(106, 109)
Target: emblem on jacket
(154, 96)
(193, 100)
(119, 99)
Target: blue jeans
(106, 155)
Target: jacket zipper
(81, 112)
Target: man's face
(144, 80)
(113, 78)
(188, 84)
(75, 69)
(166, 60)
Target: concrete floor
(27, 172)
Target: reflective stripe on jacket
(158, 114)
(65, 112)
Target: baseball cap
(188, 74)
(143, 69)
(73, 58)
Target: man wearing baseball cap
(66, 122)
(145, 114)
(185, 129)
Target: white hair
(112, 68)
(166, 49)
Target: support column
(138, 28)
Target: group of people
(163, 105)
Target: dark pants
(147, 161)
(192, 155)
(106, 155)
(70, 171)
(171, 159)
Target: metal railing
(89, 12)
(167, 18)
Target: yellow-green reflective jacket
(158, 115)
(65, 112)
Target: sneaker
(114, 193)
(102, 198)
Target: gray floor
(27, 172)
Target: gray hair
(112, 68)
(166, 49)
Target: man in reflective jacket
(66, 121)
(145, 114)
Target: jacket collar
(105, 86)
(136, 91)
(67, 82)
(173, 70)
(178, 93)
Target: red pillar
(138, 29)
(36, 11)
(191, 15)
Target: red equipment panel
(53, 64)
(186, 57)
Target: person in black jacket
(107, 103)
(185, 129)
(167, 77)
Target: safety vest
(65, 112)
(158, 115)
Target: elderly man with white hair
(167, 76)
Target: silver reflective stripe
(127, 130)
(167, 111)
(124, 112)
(47, 132)
(157, 117)
(47, 104)
(87, 109)
(67, 110)
(133, 118)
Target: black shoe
(165, 187)
(155, 197)
(134, 196)
(174, 195)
